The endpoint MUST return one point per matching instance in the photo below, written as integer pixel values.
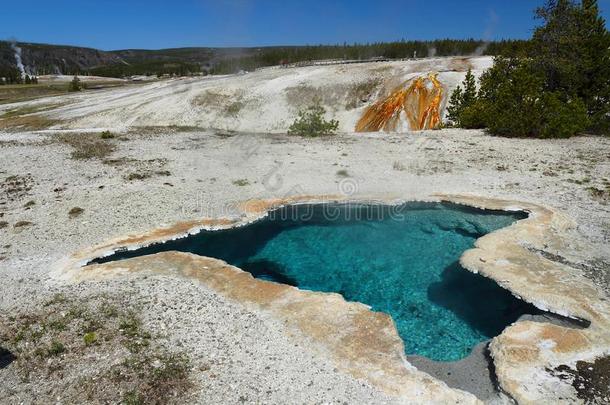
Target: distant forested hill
(38, 59)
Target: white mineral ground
(268, 342)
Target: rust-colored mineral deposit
(418, 101)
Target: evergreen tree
(463, 109)
(470, 89)
(561, 89)
(572, 49)
(454, 109)
(514, 102)
(75, 84)
(27, 79)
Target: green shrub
(562, 119)
(90, 338)
(107, 135)
(473, 116)
(310, 122)
(513, 102)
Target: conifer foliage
(560, 89)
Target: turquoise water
(399, 260)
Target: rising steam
(18, 60)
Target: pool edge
(521, 354)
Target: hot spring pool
(401, 260)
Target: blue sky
(153, 24)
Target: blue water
(399, 260)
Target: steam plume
(18, 59)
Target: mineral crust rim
(366, 344)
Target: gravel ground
(155, 179)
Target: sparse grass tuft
(57, 299)
(75, 212)
(137, 176)
(107, 135)
(55, 349)
(124, 362)
(90, 338)
(241, 182)
(133, 398)
(599, 194)
(342, 173)
(234, 108)
(399, 167)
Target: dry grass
(210, 98)
(88, 146)
(460, 65)
(151, 131)
(28, 117)
(361, 93)
(139, 169)
(333, 95)
(20, 92)
(33, 122)
(302, 95)
(16, 187)
(95, 350)
(228, 104)
(590, 380)
(234, 108)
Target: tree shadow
(6, 358)
(478, 301)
